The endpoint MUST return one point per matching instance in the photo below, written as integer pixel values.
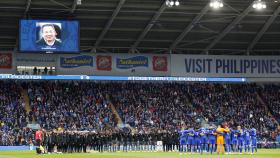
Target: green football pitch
(272, 153)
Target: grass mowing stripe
(264, 153)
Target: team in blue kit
(228, 142)
(190, 142)
(212, 140)
(253, 136)
(234, 140)
(183, 141)
(204, 140)
(246, 137)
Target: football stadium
(139, 78)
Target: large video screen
(49, 36)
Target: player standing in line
(183, 141)
(240, 138)
(234, 140)
(228, 141)
(197, 141)
(190, 142)
(246, 137)
(220, 139)
(204, 140)
(212, 140)
(253, 135)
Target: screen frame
(49, 51)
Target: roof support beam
(28, 3)
(27, 7)
(74, 6)
(189, 27)
(108, 25)
(228, 28)
(264, 29)
(149, 26)
(226, 51)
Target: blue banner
(128, 63)
(77, 61)
(16, 148)
(120, 78)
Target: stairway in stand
(117, 115)
(115, 112)
(26, 100)
(265, 105)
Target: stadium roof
(149, 26)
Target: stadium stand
(271, 95)
(148, 108)
(13, 116)
(165, 106)
(70, 105)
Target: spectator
(278, 140)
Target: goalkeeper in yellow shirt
(220, 138)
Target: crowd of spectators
(153, 106)
(147, 107)
(70, 105)
(271, 94)
(13, 116)
(236, 104)
(169, 105)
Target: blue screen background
(69, 36)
